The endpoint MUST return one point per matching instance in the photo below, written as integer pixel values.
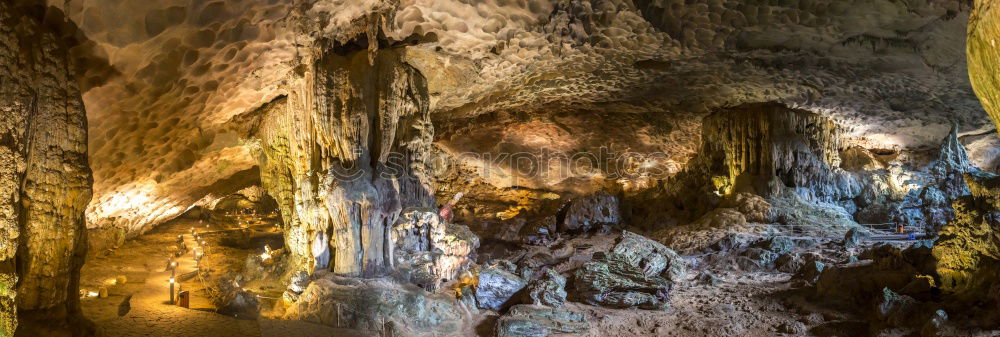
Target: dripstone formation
(345, 153)
(45, 181)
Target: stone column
(45, 180)
(345, 152)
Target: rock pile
(638, 272)
(428, 250)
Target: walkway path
(152, 315)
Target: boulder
(539, 232)
(525, 320)
(590, 212)
(427, 250)
(777, 244)
(300, 280)
(788, 263)
(755, 208)
(756, 258)
(611, 281)
(651, 256)
(810, 271)
(497, 287)
(854, 237)
(548, 290)
(380, 304)
(935, 324)
(239, 303)
(637, 272)
(897, 310)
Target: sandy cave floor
(143, 262)
(739, 303)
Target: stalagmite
(45, 181)
(369, 124)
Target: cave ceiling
(165, 119)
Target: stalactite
(345, 153)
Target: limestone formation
(589, 212)
(426, 250)
(345, 154)
(538, 321)
(377, 305)
(968, 249)
(548, 289)
(638, 272)
(498, 287)
(45, 181)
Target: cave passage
(419, 168)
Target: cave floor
(143, 262)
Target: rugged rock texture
(44, 177)
(498, 286)
(590, 212)
(548, 289)
(982, 55)
(538, 321)
(766, 150)
(345, 153)
(642, 72)
(638, 272)
(968, 249)
(426, 250)
(378, 306)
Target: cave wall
(345, 152)
(768, 150)
(45, 181)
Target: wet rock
(897, 310)
(590, 212)
(538, 321)
(548, 290)
(497, 287)
(376, 305)
(428, 250)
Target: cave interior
(510, 168)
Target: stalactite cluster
(345, 152)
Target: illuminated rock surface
(733, 161)
(44, 176)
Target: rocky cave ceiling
(168, 83)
